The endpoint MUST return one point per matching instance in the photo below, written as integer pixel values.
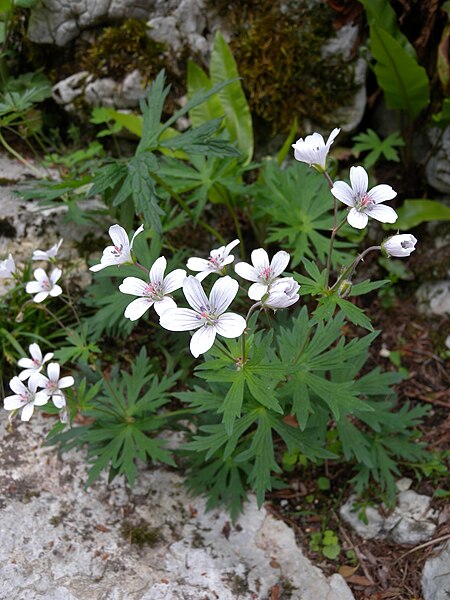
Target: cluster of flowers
(207, 316)
(26, 397)
(362, 202)
(43, 285)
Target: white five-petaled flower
(282, 294)
(262, 273)
(25, 398)
(208, 316)
(7, 267)
(154, 292)
(53, 384)
(400, 245)
(313, 150)
(47, 254)
(33, 365)
(120, 253)
(363, 203)
(217, 260)
(44, 284)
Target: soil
(380, 569)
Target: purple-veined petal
(260, 259)
(27, 412)
(194, 293)
(381, 193)
(357, 219)
(157, 270)
(222, 294)
(55, 291)
(164, 304)
(202, 340)
(180, 319)
(246, 271)
(40, 297)
(137, 308)
(174, 280)
(197, 264)
(382, 213)
(279, 262)
(359, 180)
(257, 290)
(133, 286)
(343, 192)
(230, 325)
(66, 381)
(13, 402)
(35, 352)
(119, 236)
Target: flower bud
(282, 294)
(399, 245)
(345, 288)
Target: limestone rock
(62, 542)
(437, 170)
(434, 297)
(411, 522)
(436, 575)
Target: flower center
(406, 244)
(363, 201)
(208, 316)
(215, 262)
(36, 362)
(154, 290)
(46, 285)
(118, 251)
(265, 275)
(52, 386)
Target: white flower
(155, 292)
(44, 284)
(208, 315)
(364, 204)
(53, 385)
(33, 365)
(262, 273)
(47, 254)
(400, 245)
(313, 150)
(120, 253)
(7, 267)
(25, 398)
(282, 293)
(217, 260)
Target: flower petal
(59, 400)
(40, 275)
(55, 275)
(35, 352)
(279, 262)
(222, 294)
(260, 259)
(17, 386)
(119, 236)
(40, 399)
(40, 297)
(33, 287)
(230, 325)
(246, 271)
(66, 381)
(26, 363)
(359, 180)
(202, 340)
(194, 293)
(197, 264)
(165, 304)
(203, 275)
(229, 247)
(257, 290)
(53, 370)
(343, 192)
(357, 219)
(174, 281)
(157, 270)
(27, 412)
(332, 137)
(381, 193)
(55, 291)
(134, 286)
(382, 213)
(139, 230)
(13, 402)
(137, 308)
(180, 319)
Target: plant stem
(186, 208)
(19, 157)
(348, 273)
(251, 309)
(237, 226)
(49, 312)
(330, 251)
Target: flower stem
(237, 225)
(19, 157)
(348, 273)
(330, 251)
(251, 309)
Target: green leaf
(364, 287)
(415, 212)
(232, 403)
(238, 118)
(404, 83)
(286, 147)
(382, 14)
(354, 314)
(198, 80)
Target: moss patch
(277, 47)
(141, 534)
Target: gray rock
(437, 169)
(66, 91)
(436, 576)
(60, 541)
(411, 522)
(434, 297)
